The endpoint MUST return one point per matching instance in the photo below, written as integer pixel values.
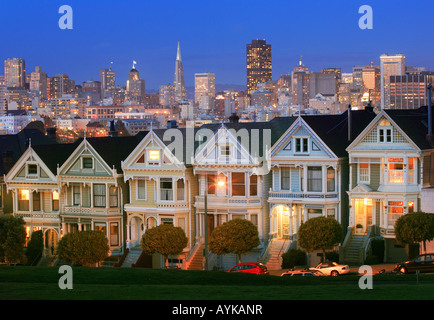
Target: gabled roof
(12, 146)
(333, 129)
(414, 123)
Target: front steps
(352, 253)
(274, 255)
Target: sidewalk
(353, 269)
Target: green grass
(41, 283)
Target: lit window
(364, 172)
(55, 201)
(396, 170)
(153, 157)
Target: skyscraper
(38, 82)
(258, 63)
(135, 85)
(390, 65)
(15, 72)
(204, 89)
(3, 101)
(178, 82)
(409, 91)
(107, 78)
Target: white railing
(89, 210)
(302, 195)
(37, 215)
(228, 200)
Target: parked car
(302, 273)
(423, 263)
(330, 268)
(249, 267)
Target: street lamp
(220, 183)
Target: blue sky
(213, 36)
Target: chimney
(349, 122)
(430, 136)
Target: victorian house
(309, 168)
(162, 187)
(390, 162)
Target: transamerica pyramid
(180, 93)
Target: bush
(84, 247)
(34, 247)
(12, 239)
(292, 258)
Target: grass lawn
(41, 283)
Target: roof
(414, 123)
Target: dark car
(423, 263)
(249, 267)
(302, 273)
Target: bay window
(23, 199)
(166, 189)
(99, 195)
(238, 184)
(314, 179)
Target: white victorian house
(390, 162)
(309, 167)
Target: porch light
(221, 183)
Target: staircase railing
(122, 259)
(266, 254)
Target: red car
(249, 267)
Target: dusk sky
(213, 36)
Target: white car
(331, 268)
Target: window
(141, 189)
(100, 227)
(113, 197)
(55, 202)
(86, 195)
(253, 185)
(331, 180)
(301, 145)
(166, 189)
(167, 221)
(114, 234)
(153, 157)
(411, 170)
(32, 169)
(285, 178)
(36, 201)
(23, 200)
(210, 184)
(331, 213)
(314, 179)
(396, 170)
(180, 190)
(314, 213)
(225, 151)
(238, 184)
(99, 194)
(396, 209)
(364, 173)
(87, 163)
(76, 195)
(385, 135)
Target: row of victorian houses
(362, 168)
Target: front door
(363, 213)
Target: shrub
(12, 239)
(34, 247)
(84, 247)
(292, 258)
(378, 247)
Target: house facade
(390, 162)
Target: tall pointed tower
(180, 93)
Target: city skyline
(213, 41)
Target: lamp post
(220, 184)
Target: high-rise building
(38, 82)
(15, 72)
(409, 91)
(107, 78)
(300, 78)
(371, 78)
(204, 89)
(167, 94)
(258, 63)
(178, 82)
(390, 65)
(58, 85)
(3, 100)
(135, 86)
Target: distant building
(135, 86)
(15, 72)
(390, 65)
(258, 58)
(3, 100)
(13, 124)
(107, 78)
(204, 89)
(134, 126)
(39, 82)
(167, 95)
(66, 107)
(371, 77)
(300, 78)
(58, 85)
(178, 81)
(91, 91)
(409, 91)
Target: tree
(34, 247)
(164, 239)
(320, 233)
(84, 247)
(413, 228)
(12, 239)
(235, 236)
